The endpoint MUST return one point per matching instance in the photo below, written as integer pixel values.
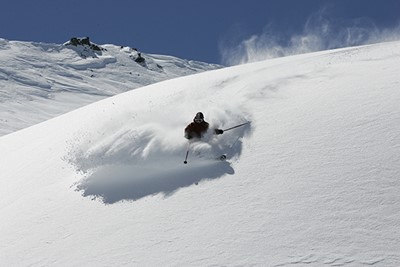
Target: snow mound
(40, 81)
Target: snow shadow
(130, 162)
(116, 183)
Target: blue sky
(215, 31)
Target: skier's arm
(189, 132)
(188, 135)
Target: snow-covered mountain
(314, 180)
(39, 81)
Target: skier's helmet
(199, 118)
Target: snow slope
(40, 81)
(313, 181)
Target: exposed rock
(139, 59)
(87, 48)
(84, 41)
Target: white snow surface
(314, 180)
(39, 81)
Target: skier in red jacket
(199, 127)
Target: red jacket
(196, 130)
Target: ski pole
(187, 154)
(236, 126)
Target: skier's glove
(219, 131)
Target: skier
(199, 127)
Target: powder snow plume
(144, 155)
(320, 32)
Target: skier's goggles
(198, 120)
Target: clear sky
(207, 30)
